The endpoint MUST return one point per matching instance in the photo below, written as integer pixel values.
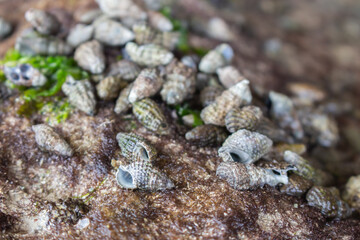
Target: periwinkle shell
(43, 22)
(126, 70)
(159, 21)
(216, 58)
(122, 103)
(247, 117)
(209, 94)
(109, 87)
(206, 135)
(352, 192)
(79, 34)
(112, 33)
(229, 76)
(90, 56)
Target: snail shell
(244, 177)
(217, 58)
(151, 116)
(297, 148)
(229, 76)
(306, 94)
(124, 69)
(80, 94)
(90, 56)
(209, 94)
(180, 84)
(132, 144)
(147, 84)
(247, 117)
(352, 192)
(87, 16)
(150, 55)
(121, 9)
(109, 87)
(297, 186)
(5, 28)
(206, 135)
(48, 140)
(236, 96)
(43, 22)
(245, 147)
(159, 21)
(79, 34)
(112, 33)
(218, 29)
(191, 61)
(122, 103)
(25, 75)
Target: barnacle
(206, 135)
(247, 117)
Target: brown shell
(122, 103)
(247, 117)
(109, 87)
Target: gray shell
(5, 28)
(87, 16)
(297, 186)
(236, 96)
(180, 83)
(352, 192)
(43, 22)
(125, 69)
(245, 147)
(206, 135)
(159, 21)
(48, 140)
(191, 61)
(247, 117)
(79, 34)
(112, 33)
(132, 144)
(147, 84)
(229, 76)
(151, 116)
(150, 55)
(218, 29)
(244, 177)
(80, 94)
(110, 87)
(121, 9)
(217, 58)
(90, 56)
(209, 94)
(25, 75)
(122, 103)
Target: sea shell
(132, 144)
(297, 186)
(150, 55)
(112, 33)
(218, 29)
(43, 22)
(80, 34)
(206, 135)
(5, 28)
(328, 201)
(159, 21)
(25, 75)
(191, 61)
(229, 76)
(147, 35)
(87, 16)
(217, 58)
(297, 148)
(247, 117)
(245, 147)
(80, 94)
(122, 103)
(306, 94)
(48, 140)
(209, 94)
(121, 9)
(31, 43)
(151, 116)
(124, 69)
(90, 56)
(269, 129)
(109, 87)
(204, 80)
(244, 177)
(352, 192)
(147, 84)
(180, 83)
(157, 4)
(236, 96)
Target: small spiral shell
(229, 76)
(159, 21)
(109, 87)
(122, 103)
(124, 69)
(297, 186)
(25, 75)
(44, 22)
(48, 140)
(306, 94)
(121, 9)
(209, 94)
(79, 34)
(206, 135)
(90, 56)
(245, 147)
(352, 192)
(297, 148)
(216, 58)
(147, 84)
(150, 55)
(80, 94)
(247, 117)
(191, 61)
(151, 116)
(112, 33)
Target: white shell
(229, 76)
(112, 33)
(216, 58)
(80, 34)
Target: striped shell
(209, 94)
(151, 116)
(297, 186)
(79, 34)
(147, 84)
(25, 75)
(109, 87)
(328, 201)
(236, 96)
(244, 177)
(122, 103)
(229, 76)
(112, 33)
(247, 117)
(48, 140)
(180, 83)
(132, 144)
(245, 147)
(217, 58)
(90, 56)
(159, 21)
(43, 22)
(150, 55)
(352, 192)
(124, 69)
(5, 28)
(206, 135)
(80, 94)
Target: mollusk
(25, 75)
(206, 135)
(148, 55)
(159, 21)
(48, 140)
(247, 117)
(122, 103)
(112, 33)
(43, 22)
(269, 129)
(190, 61)
(229, 76)
(209, 94)
(121, 9)
(126, 70)
(5, 28)
(151, 116)
(306, 94)
(90, 56)
(80, 34)
(352, 192)
(216, 58)
(245, 147)
(109, 87)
